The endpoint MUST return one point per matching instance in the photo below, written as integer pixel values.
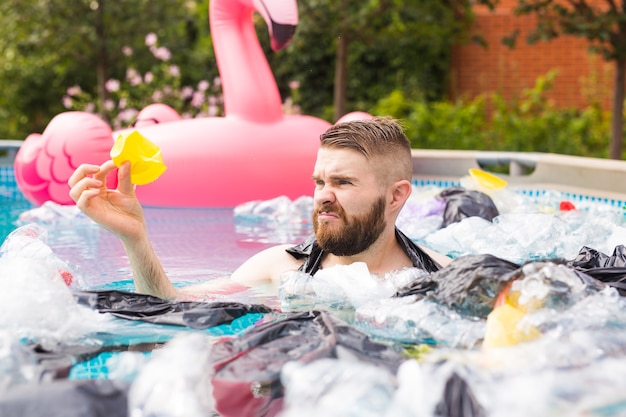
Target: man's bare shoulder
(442, 259)
(266, 266)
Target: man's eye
(344, 182)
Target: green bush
(531, 123)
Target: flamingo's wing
(45, 162)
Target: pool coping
(595, 177)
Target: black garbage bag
(610, 270)
(247, 368)
(57, 363)
(458, 400)
(469, 284)
(193, 314)
(462, 203)
(91, 398)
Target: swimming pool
(199, 244)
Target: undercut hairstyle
(381, 140)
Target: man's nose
(324, 195)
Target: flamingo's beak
(281, 17)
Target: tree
(353, 52)
(49, 45)
(603, 24)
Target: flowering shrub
(290, 105)
(161, 84)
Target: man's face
(349, 211)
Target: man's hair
(381, 139)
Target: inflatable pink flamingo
(253, 152)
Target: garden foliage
(530, 123)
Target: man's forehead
(339, 160)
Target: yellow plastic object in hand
(486, 179)
(146, 161)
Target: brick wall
(581, 76)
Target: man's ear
(400, 193)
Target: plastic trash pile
(527, 320)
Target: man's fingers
(104, 170)
(83, 199)
(84, 185)
(123, 179)
(81, 172)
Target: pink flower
(112, 85)
(203, 85)
(161, 53)
(133, 77)
(294, 85)
(122, 103)
(127, 51)
(109, 105)
(90, 107)
(131, 73)
(174, 71)
(198, 99)
(67, 102)
(74, 90)
(151, 39)
(148, 77)
(127, 115)
(212, 110)
(186, 92)
(157, 96)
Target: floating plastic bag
(93, 398)
(336, 388)
(176, 381)
(143, 307)
(504, 323)
(487, 180)
(278, 220)
(547, 297)
(462, 203)
(29, 242)
(281, 210)
(36, 302)
(608, 269)
(341, 287)
(418, 320)
(246, 380)
(469, 284)
(51, 212)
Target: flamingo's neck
(248, 85)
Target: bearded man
(362, 179)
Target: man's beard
(355, 234)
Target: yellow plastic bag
(504, 323)
(487, 180)
(146, 161)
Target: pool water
(193, 244)
(12, 201)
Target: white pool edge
(597, 177)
